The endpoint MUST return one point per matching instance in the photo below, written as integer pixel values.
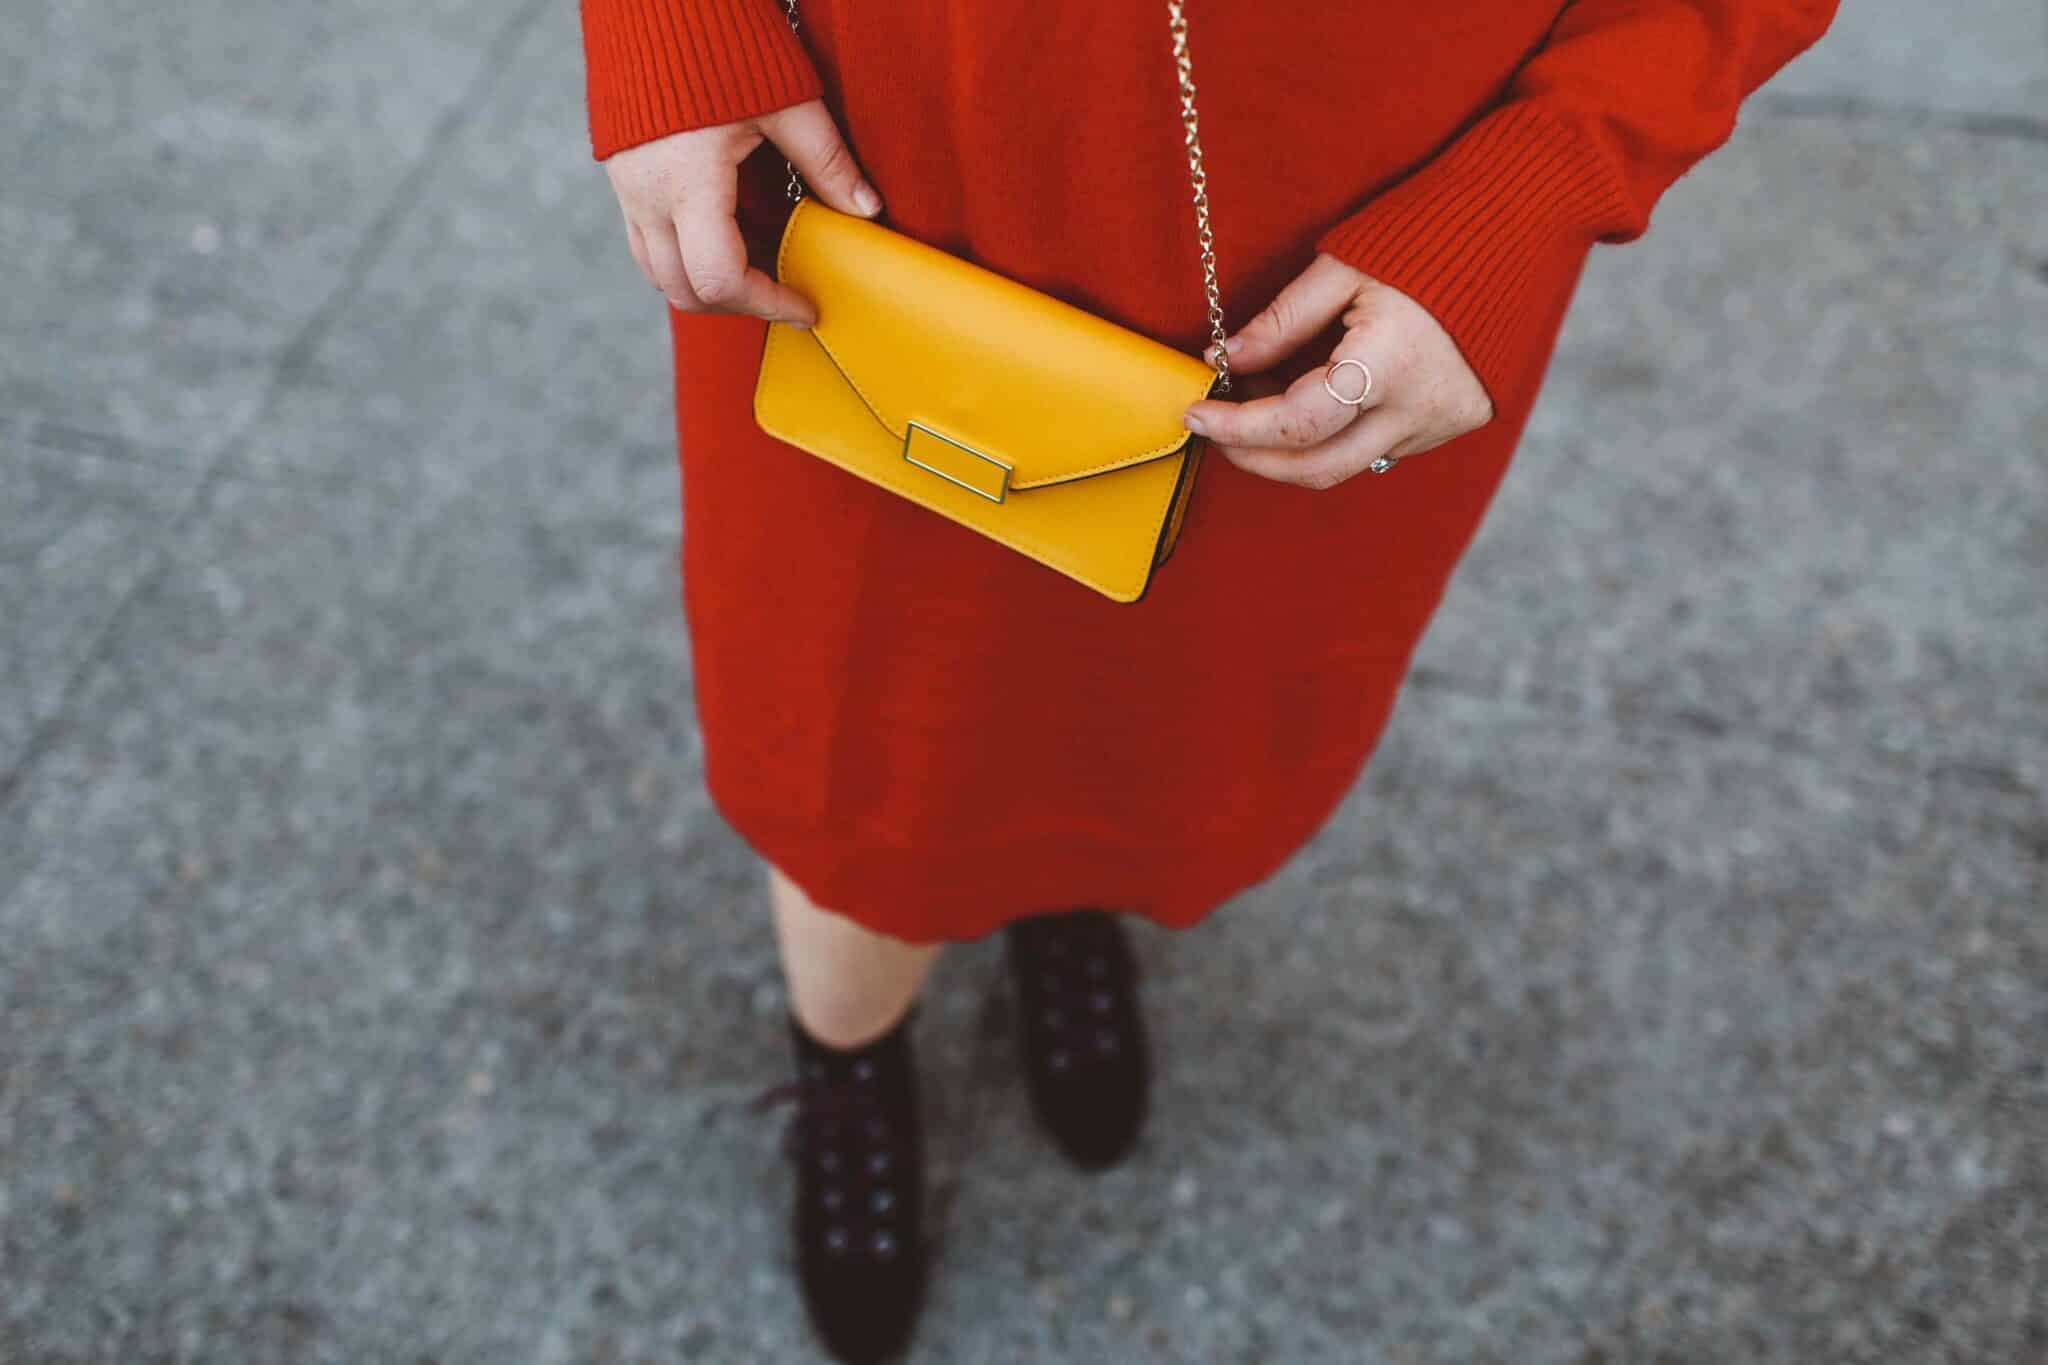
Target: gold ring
(1330, 372)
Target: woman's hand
(679, 194)
(1423, 393)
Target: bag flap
(1013, 375)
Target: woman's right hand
(679, 194)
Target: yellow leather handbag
(1039, 425)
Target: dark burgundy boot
(858, 1146)
(1083, 1039)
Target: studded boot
(858, 1147)
(1085, 1058)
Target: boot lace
(1076, 961)
(841, 1133)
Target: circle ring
(1330, 373)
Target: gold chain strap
(1177, 22)
(795, 188)
(1198, 177)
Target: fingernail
(1233, 345)
(1194, 424)
(868, 201)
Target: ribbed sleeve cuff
(656, 67)
(1489, 236)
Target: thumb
(808, 137)
(1309, 303)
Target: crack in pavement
(2019, 127)
(291, 363)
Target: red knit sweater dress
(932, 734)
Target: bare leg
(847, 985)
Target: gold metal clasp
(983, 474)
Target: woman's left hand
(1423, 393)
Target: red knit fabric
(657, 68)
(934, 735)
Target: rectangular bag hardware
(911, 444)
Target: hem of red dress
(947, 897)
(966, 892)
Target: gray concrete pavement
(377, 985)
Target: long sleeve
(656, 67)
(1622, 98)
